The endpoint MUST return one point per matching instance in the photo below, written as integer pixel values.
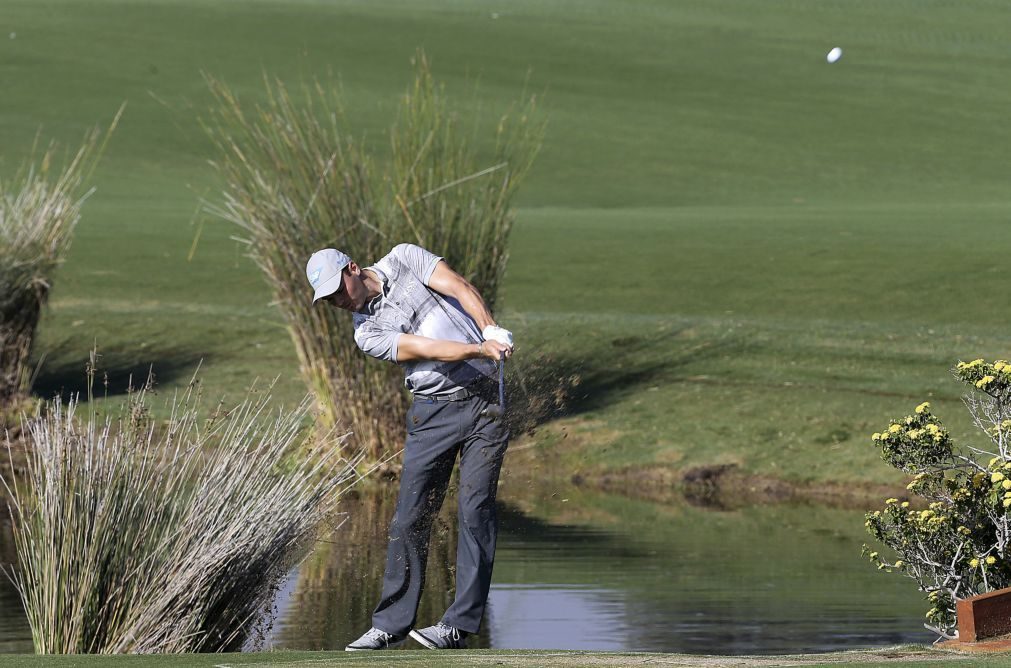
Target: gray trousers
(438, 431)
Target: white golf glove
(496, 333)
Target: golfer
(410, 308)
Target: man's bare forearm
(411, 348)
(472, 302)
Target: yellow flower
(909, 419)
(922, 407)
(1007, 503)
(899, 563)
(984, 381)
(999, 365)
(913, 484)
(1007, 467)
(990, 561)
(891, 500)
(876, 436)
(964, 531)
(894, 429)
(974, 563)
(924, 514)
(996, 477)
(1006, 484)
(905, 504)
(913, 434)
(933, 428)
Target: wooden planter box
(984, 616)
(984, 623)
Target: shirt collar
(373, 305)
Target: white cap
(324, 272)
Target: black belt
(459, 395)
(484, 388)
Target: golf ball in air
(834, 55)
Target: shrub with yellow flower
(957, 546)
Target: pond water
(581, 570)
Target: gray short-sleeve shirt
(408, 306)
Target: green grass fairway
(902, 657)
(752, 256)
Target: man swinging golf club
(410, 308)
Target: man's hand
(494, 350)
(496, 333)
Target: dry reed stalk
(39, 209)
(140, 537)
(296, 181)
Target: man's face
(352, 293)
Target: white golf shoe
(374, 639)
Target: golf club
(499, 410)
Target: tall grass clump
(453, 203)
(39, 208)
(142, 536)
(297, 180)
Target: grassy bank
(898, 657)
(749, 256)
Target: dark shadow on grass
(64, 374)
(549, 386)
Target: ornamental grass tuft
(39, 208)
(296, 180)
(959, 545)
(135, 535)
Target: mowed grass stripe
(903, 264)
(654, 103)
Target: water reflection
(331, 596)
(542, 617)
(14, 633)
(593, 571)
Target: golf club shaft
(501, 383)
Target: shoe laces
(379, 634)
(447, 631)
